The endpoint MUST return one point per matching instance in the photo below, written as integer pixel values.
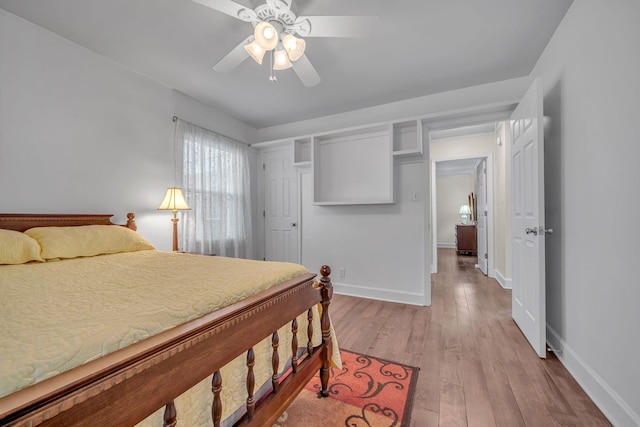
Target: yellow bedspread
(58, 315)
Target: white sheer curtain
(215, 182)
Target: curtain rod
(175, 119)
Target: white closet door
(281, 206)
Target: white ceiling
(420, 47)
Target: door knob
(293, 224)
(533, 231)
(545, 230)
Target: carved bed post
(251, 383)
(275, 361)
(327, 292)
(309, 331)
(170, 415)
(216, 406)
(294, 345)
(131, 221)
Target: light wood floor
(476, 367)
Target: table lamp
(174, 201)
(464, 212)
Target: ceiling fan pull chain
(272, 72)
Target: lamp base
(465, 218)
(175, 220)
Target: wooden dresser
(466, 239)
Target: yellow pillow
(18, 248)
(87, 240)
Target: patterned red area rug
(367, 392)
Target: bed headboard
(22, 222)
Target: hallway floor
(477, 369)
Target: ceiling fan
(275, 26)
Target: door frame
(490, 211)
(473, 115)
(300, 171)
(480, 263)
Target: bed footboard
(285, 390)
(124, 387)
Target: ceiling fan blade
(335, 26)
(233, 58)
(306, 72)
(231, 8)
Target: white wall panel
(380, 247)
(452, 192)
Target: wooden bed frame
(124, 387)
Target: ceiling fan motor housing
(282, 19)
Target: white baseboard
(447, 245)
(504, 282)
(378, 294)
(610, 403)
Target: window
(216, 187)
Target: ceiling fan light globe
(290, 42)
(294, 46)
(255, 51)
(266, 35)
(281, 60)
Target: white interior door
(281, 206)
(481, 220)
(527, 153)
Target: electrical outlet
(342, 273)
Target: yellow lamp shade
(294, 46)
(255, 51)
(266, 35)
(174, 201)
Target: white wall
(464, 147)
(451, 193)
(81, 134)
(380, 247)
(590, 74)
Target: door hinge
(264, 214)
(486, 256)
(263, 167)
